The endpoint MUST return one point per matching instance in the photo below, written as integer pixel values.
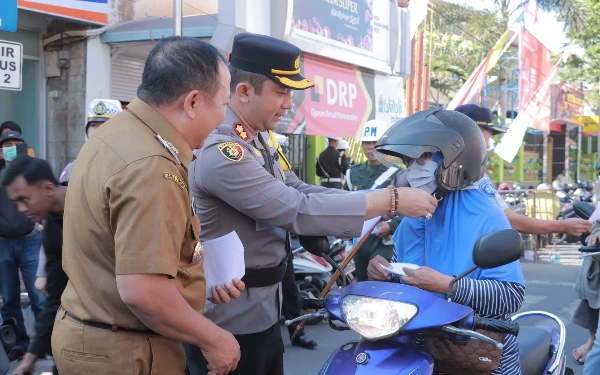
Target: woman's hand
(427, 279)
(375, 271)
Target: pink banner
(534, 66)
(336, 106)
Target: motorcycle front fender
(384, 357)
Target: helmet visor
(390, 155)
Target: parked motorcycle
(392, 318)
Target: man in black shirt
(19, 251)
(331, 166)
(31, 184)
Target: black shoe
(304, 341)
(16, 355)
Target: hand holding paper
(223, 263)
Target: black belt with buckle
(109, 327)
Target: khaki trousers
(80, 349)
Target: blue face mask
(10, 153)
(421, 174)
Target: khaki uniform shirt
(128, 211)
(238, 184)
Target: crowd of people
(118, 240)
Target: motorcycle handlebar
(312, 303)
(589, 249)
(496, 325)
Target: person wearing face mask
(19, 251)
(8, 126)
(372, 174)
(524, 224)
(445, 154)
(99, 111)
(241, 180)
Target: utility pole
(177, 17)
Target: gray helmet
(454, 135)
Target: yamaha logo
(362, 358)
(485, 359)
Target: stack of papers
(223, 261)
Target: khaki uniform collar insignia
(175, 178)
(169, 146)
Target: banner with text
(356, 32)
(390, 105)
(339, 103)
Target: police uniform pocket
(84, 357)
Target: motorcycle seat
(534, 350)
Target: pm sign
(8, 15)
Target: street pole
(177, 17)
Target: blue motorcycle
(392, 320)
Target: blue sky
(547, 30)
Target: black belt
(263, 277)
(109, 327)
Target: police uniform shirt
(128, 211)
(486, 186)
(238, 183)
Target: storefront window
(23, 106)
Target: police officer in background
(131, 246)
(522, 223)
(372, 174)
(331, 165)
(241, 181)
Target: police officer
(131, 248)
(241, 181)
(372, 174)
(99, 111)
(524, 224)
(332, 165)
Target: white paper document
(368, 225)
(223, 261)
(596, 214)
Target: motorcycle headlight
(375, 318)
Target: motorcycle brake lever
(306, 316)
(473, 334)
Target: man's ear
(191, 102)
(49, 188)
(243, 90)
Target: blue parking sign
(8, 15)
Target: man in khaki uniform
(131, 242)
(242, 181)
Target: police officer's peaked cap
(481, 115)
(274, 58)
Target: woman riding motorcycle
(445, 152)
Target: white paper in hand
(595, 215)
(368, 225)
(398, 268)
(223, 261)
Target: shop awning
(153, 28)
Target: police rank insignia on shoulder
(231, 150)
(241, 131)
(198, 253)
(175, 178)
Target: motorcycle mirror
(498, 248)
(317, 245)
(583, 210)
